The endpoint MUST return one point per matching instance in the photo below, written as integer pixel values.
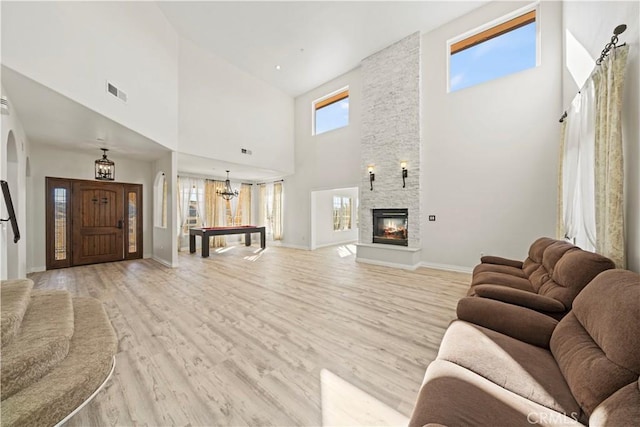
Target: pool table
(206, 232)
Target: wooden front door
(90, 222)
(98, 222)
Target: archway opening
(12, 257)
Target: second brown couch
(548, 281)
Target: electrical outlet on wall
(432, 217)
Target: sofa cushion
(492, 259)
(493, 278)
(497, 268)
(524, 369)
(517, 322)
(534, 260)
(454, 396)
(597, 344)
(552, 254)
(519, 297)
(572, 273)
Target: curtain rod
(218, 180)
(272, 182)
(607, 48)
(186, 175)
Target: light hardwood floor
(280, 337)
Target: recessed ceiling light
(278, 67)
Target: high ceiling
(52, 119)
(311, 41)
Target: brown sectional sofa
(505, 365)
(547, 281)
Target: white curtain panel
(277, 207)
(184, 187)
(189, 189)
(560, 184)
(591, 166)
(578, 188)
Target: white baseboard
(36, 269)
(344, 242)
(290, 246)
(446, 267)
(163, 262)
(388, 264)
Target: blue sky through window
(500, 56)
(332, 116)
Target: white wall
(47, 161)
(75, 47)
(322, 162)
(19, 194)
(223, 109)
(490, 151)
(592, 24)
(165, 241)
(322, 231)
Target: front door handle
(120, 222)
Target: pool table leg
(247, 239)
(192, 243)
(205, 245)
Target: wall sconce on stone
(405, 172)
(372, 176)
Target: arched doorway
(13, 260)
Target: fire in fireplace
(390, 226)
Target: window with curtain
(218, 211)
(191, 204)
(270, 209)
(591, 206)
(242, 209)
(342, 213)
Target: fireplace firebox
(390, 226)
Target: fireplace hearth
(390, 226)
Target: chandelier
(105, 168)
(228, 193)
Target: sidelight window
(60, 223)
(133, 224)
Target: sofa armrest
(519, 297)
(488, 259)
(517, 322)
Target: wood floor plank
(247, 337)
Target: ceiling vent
(4, 105)
(118, 93)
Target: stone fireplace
(391, 226)
(391, 149)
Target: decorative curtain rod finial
(620, 29)
(612, 44)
